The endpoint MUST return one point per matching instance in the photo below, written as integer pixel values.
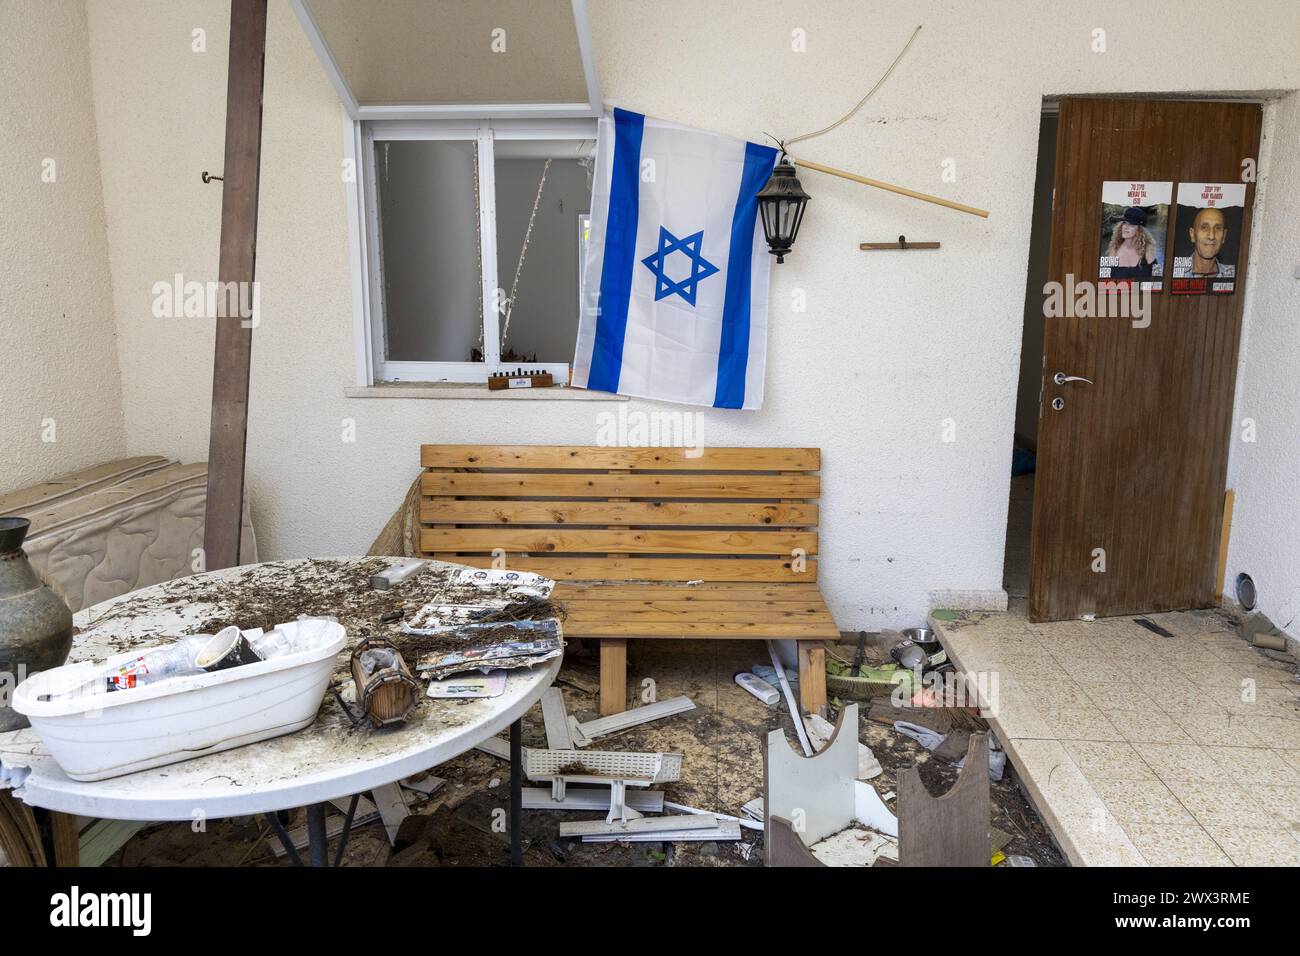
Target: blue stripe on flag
(733, 350)
(620, 247)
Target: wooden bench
(646, 543)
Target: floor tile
(1220, 730)
(1179, 761)
(1057, 694)
(1176, 845)
(1220, 804)
(1142, 801)
(1254, 766)
(1185, 700)
(1264, 847)
(1080, 723)
(1114, 696)
(1146, 727)
(1281, 803)
(1108, 760)
(1280, 733)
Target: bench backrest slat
(610, 513)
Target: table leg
(317, 840)
(347, 829)
(516, 793)
(274, 819)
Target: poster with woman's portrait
(1134, 224)
(1206, 238)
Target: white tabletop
(326, 760)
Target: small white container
(94, 736)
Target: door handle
(1060, 378)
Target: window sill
(452, 390)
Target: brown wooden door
(1131, 469)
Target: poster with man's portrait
(1134, 225)
(1207, 234)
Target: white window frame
(360, 137)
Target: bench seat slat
(681, 570)
(602, 458)
(715, 613)
(739, 630)
(553, 485)
(706, 593)
(632, 513)
(548, 541)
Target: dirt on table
(721, 741)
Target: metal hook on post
(208, 177)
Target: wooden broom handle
(854, 177)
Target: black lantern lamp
(781, 204)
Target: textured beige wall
(58, 358)
(889, 347)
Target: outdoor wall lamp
(781, 204)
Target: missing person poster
(1134, 224)
(1207, 235)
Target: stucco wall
(60, 393)
(890, 345)
(1265, 471)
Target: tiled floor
(1142, 749)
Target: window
(476, 234)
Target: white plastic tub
(101, 735)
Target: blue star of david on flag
(701, 268)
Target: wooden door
(1128, 497)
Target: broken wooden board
(816, 794)
(951, 830)
(584, 733)
(683, 822)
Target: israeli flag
(674, 303)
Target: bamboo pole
(854, 177)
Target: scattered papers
(491, 590)
(491, 684)
(504, 656)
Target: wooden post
(226, 442)
(50, 839)
(613, 676)
(1225, 535)
(812, 676)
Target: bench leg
(613, 676)
(812, 676)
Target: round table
(329, 759)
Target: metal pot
(923, 637)
(35, 624)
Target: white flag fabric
(674, 303)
